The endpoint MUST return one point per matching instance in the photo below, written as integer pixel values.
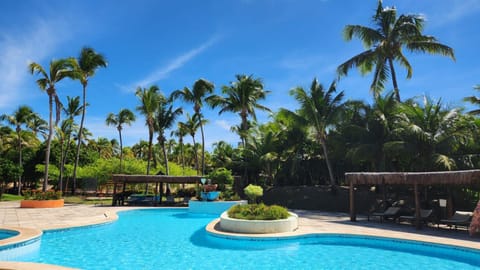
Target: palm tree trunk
(182, 156)
(80, 131)
(195, 154)
(62, 157)
(49, 141)
(63, 161)
(394, 80)
(121, 149)
(19, 162)
(329, 167)
(149, 155)
(203, 147)
(165, 159)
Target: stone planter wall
(41, 203)
(258, 226)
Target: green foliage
(229, 195)
(9, 171)
(47, 195)
(186, 192)
(253, 192)
(222, 177)
(258, 212)
(10, 197)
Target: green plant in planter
(258, 212)
(37, 195)
(222, 177)
(253, 192)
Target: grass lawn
(10, 197)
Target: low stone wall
(258, 226)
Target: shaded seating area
(122, 196)
(417, 180)
(426, 215)
(459, 219)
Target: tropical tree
(474, 100)
(385, 43)
(197, 95)
(125, 116)
(165, 117)
(37, 125)
(85, 67)
(59, 69)
(149, 102)
(241, 97)
(21, 117)
(191, 126)
(320, 107)
(180, 133)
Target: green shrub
(222, 177)
(253, 192)
(258, 212)
(37, 195)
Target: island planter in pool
(234, 225)
(41, 203)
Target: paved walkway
(35, 220)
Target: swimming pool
(176, 239)
(4, 234)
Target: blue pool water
(4, 234)
(175, 239)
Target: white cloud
(223, 124)
(18, 49)
(164, 71)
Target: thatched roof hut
(408, 178)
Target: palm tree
(241, 97)
(191, 126)
(37, 125)
(149, 102)
(474, 100)
(385, 45)
(320, 107)
(125, 116)
(200, 89)
(59, 69)
(86, 65)
(180, 133)
(164, 119)
(21, 117)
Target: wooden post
(417, 207)
(123, 192)
(353, 214)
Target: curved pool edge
(24, 237)
(214, 229)
(31, 266)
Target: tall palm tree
(385, 43)
(241, 97)
(125, 116)
(320, 107)
(191, 126)
(180, 133)
(149, 102)
(200, 89)
(21, 117)
(474, 100)
(59, 69)
(86, 65)
(37, 125)
(165, 117)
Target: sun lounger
(391, 212)
(460, 218)
(425, 216)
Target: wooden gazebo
(415, 179)
(124, 179)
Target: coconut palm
(241, 97)
(149, 102)
(180, 133)
(59, 69)
(125, 116)
(21, 117)
(197, 95)
(165, 117)
(86, 65)
(191, 126)
(385, 43)
(320, 107)
(37, 125)
(474, 100)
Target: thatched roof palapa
(124, 178)
(410, 178)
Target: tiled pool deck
(33, 221)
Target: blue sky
(173, 43)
